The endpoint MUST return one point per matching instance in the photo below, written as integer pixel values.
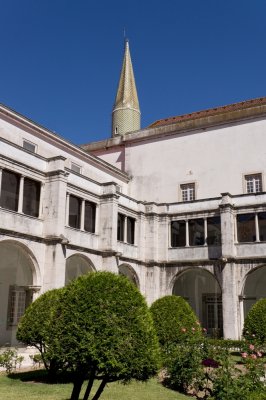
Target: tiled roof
(212, 111)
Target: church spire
(126, 112)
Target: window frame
(123, 233)
(255, 177)
(28, 142)
(76, 168)
(185, 191)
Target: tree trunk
(90, 384)
(78, 382)
(100, 389)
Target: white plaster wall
(216, 160)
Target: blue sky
(61, 59)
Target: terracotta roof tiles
(212, 111)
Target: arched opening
(128, 271)
(254, 288)
(202, 291)
(16, 288)
(77, 265)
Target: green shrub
(255, 323)
(34, 328)
(174, 320)
(102, 329)
(180, 338)
(9, 359)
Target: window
(262, 226)
(188, 191)
(18, 300)
(76, 168)
(10, 194)
(31, 197)
(29, 146)
(178, 233)
(120, 227)
(89, 217)
(214, 231)
(130, 230)
(196, 232)
(74, 212)
(81, 220)
(253, 183)
(10, 190)
(125, 226)
(246, 231)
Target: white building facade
(178, 207)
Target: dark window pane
(10, 190)
(246, 228)
(178, 233)
(74, 212)
(130, 230)
(90, 213)
(196, 232)
(29, 146)
(214, 231)
(31, 197)
(262, 225)
(120, 227)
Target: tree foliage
(255, 323)
(174, 320)
(102, 329)
(34, 328)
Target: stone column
(187, 234)
(41, 200)
(67, 209)
(108, 218)
(257, 227)
(227, 226)
(82, 215)
(231, 315)
(1, 172)
(21, 192)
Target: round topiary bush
(255, 323)
(174, 320)
(34, 328)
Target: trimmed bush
(102, 329)
(174, 320)
(34, 328)
(255, 323)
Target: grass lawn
(14, 388)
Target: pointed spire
(126, 111)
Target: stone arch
(202, 290)
(19, 275)
(254, 287)
(77, 265)
(128, 271)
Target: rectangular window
(196, 232)
(214, 231)
(17, 304)
(31, 197)
(178, 233)
(253, 183)
(29, 146)
(10, 190)
(76, 168)
(262, 226)
(120, 227)
(130, 230)
(90, 214)
(246, 231)
(74, 211)
(188, 191)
